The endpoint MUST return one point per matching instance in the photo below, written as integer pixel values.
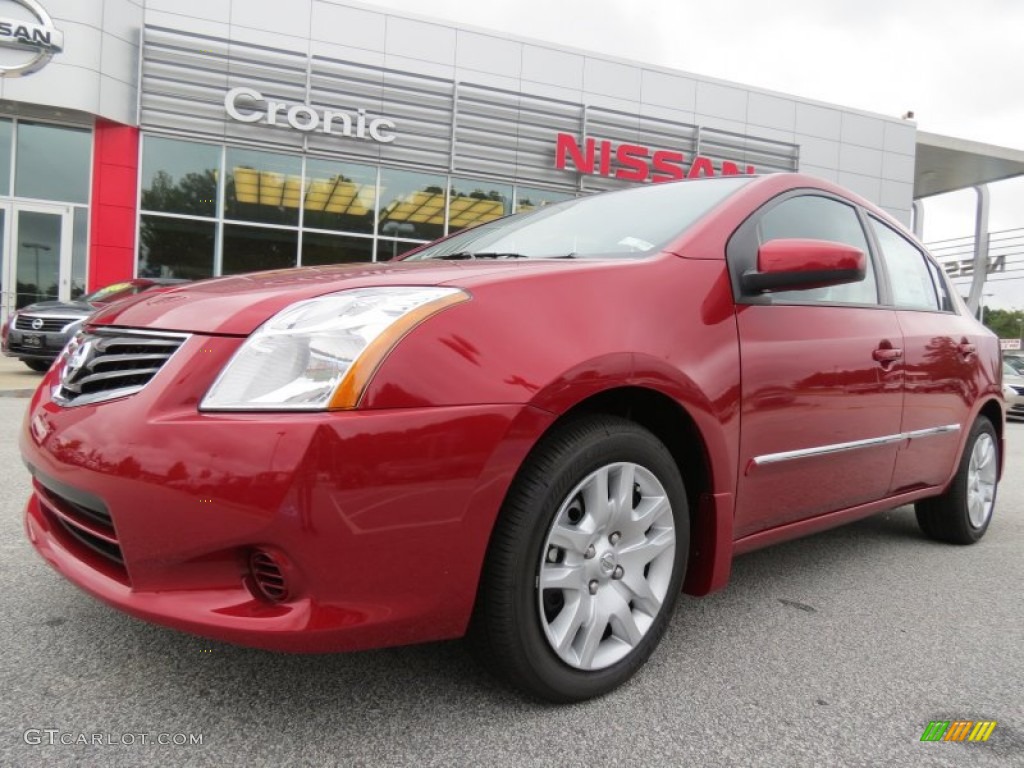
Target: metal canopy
(946, 164)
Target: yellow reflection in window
(267, 188)
(339, 195)
(467, 211)
(419, 208)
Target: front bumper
(47, 348)
(382, 517)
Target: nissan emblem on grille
(37, 324)
(78, 358)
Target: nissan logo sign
(28, 39)
(37, 324)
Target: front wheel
(585, 563)
(961, 515)
(39, 366)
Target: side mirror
(793, 265)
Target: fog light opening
(268, 581)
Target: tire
(962, 514)
(39, 366)
(613, 571)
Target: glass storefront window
(179, 176)
(341, 211)
(411, 204)
(262, 187)
(6, 132)
(171, 247)
(319, 249)
(527, 199)
(38, 256)
(476, 202)
(389, 248)
(252, 249)
(53, 162)
(340, 196)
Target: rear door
(822, 378)
(941, 361)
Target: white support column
(980, 269)
(917, 219)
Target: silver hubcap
(981, 480)
(606, 566)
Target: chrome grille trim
(108, 363)
(51, 323)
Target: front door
(822, 381)
(37, 243)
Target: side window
(912, 284)
(820, 218)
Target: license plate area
(33, 341)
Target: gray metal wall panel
(442, 125)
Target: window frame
(741, 254)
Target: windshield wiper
(480, 255)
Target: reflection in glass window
(476, 202)
(170, 247)
(79, 251)
(262, 186)
(252, 249)
(911, 281)
(319, 248)
(527, 199)
(53, 162)
(38, 256)
(179, 176)
(820, 218)
(340, 196)
(6, 131)
(388, 248)
(411, 205)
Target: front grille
(49, 324)
(109, 363)
(88, 524)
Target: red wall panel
(114, 197)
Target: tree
(1005, 323)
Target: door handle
(886, 355)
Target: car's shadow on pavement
(371, 684)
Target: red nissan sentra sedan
(538, 431)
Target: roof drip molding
(946, 164)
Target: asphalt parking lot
(833, 650)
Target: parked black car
(37, 333)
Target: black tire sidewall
(590, 450)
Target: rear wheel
(585, 563)
(962, 514)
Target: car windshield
(629, 223)
(1015, 363)
(114, 292)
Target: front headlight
(320, 354)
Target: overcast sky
(958, 64)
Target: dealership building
(192, 138)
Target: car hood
(59, 309)
(236, 306)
